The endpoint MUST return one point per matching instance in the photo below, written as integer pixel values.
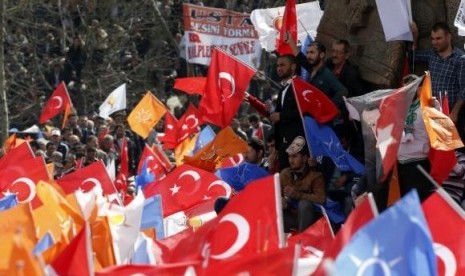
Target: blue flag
(142, 253)
(206, 136)
(238, 177)
(144, 177)
(8, 202)
(397, 242)
(43, 244)
(303, 48)
(324, 142)
(152, 216)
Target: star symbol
(175, 189)
(184, 127)
(143, 116)
(8, 193)
(385, 139)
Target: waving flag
(185, 187)
(57, 103)
(314, 102)
(188, 124)
(169, 139)
(152, 216)
(21, 260)
(408, 250)
(238, 177)
(227, 81)
(192, 86)
(8, 202)
(43, 244)
(446, 230)
(206, 136)
(324, 142)
(289, 26)
(157, 162)
(116, 101)
(146, 114)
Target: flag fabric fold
(192, 86)
(146, 114)
(116, 101)
(57, 103)
(288, 27)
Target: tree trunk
(3, 99)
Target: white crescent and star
(228, 77)
(304, 94)
(223, 184)
(193, 174)
(243, 233)
(92, 180)
(59, 100)
(186, 126)
(30, 184)
(447, 257)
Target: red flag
(315, 239)
(194, 85)
(21, 178)
(76, 258)
(445, 104)
(233, 161)
(446, 221)
(170, 136)
(124, 158)
(57, 103)
(390, 125)
(361, 215)
(17, 155)
(188, 124)
(185, 187)
(249, 224)
(227, 81)
(86, 178)
(311, 100)
(184, 268)
(157, 162)
(289, 26)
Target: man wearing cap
(301, 187)
(55, 138)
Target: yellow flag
(22, 262)
(13, 220)
(102, 243)
(224, 145)
(146, 114)
(441, 130)
(184, 148)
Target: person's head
(57, 156)
(298, 155)
(107, 143)
(55, 135)
(92, 141)
(66, 133)
(73, 119)
(286, 66)
(234, 124)
(70, 161)
(119, 131)
(73, 140)
(119, 117)
(254, 120)
(340, 51)
(255, 151)
(244, 122)
(441, 37)
(270, 143)
(50, 148)
(316, 53)
(91, 153)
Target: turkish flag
(16, 155)
(192, 86)
(157, 162)
(390, 125)
(169, 139)
(314, 102)
(57, 103)
(251, 222)
(233, 161)
(86, 178)
(289, 25)
(76, 258)
(446, 221)
(315, 239)
(227, 81)
(361, 215)
(124, 158)
(185, 187)
(188, 124)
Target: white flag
(267, 23)
(459, 21)
(114, 102)
(395, 19)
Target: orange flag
(441, 130)
(66, 115)
(102, 243)
(12, 142)
(184, 149)
(22, 261)
(224, 145)
(57, 103)
(146, 114)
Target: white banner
(460, 18)
(395, 18)
(267, 22)
(206, 28)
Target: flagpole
(303, 121)
(261, 73)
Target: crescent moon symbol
(193, 118)
(223, 184)
(241, 159)
(447, 257)
(243, 232)
(195, 176)
(304, 94)
(92, 180)
(228, 77)
(30, 184)
(60, 101)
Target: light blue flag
(206, 136)
(43, 244)
(152, 216)
(144, 177)
(303, 48)
(324, 142)
(239, 176)
(8, 202)
(397, 242)
(142, 253)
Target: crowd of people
(269, 120)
